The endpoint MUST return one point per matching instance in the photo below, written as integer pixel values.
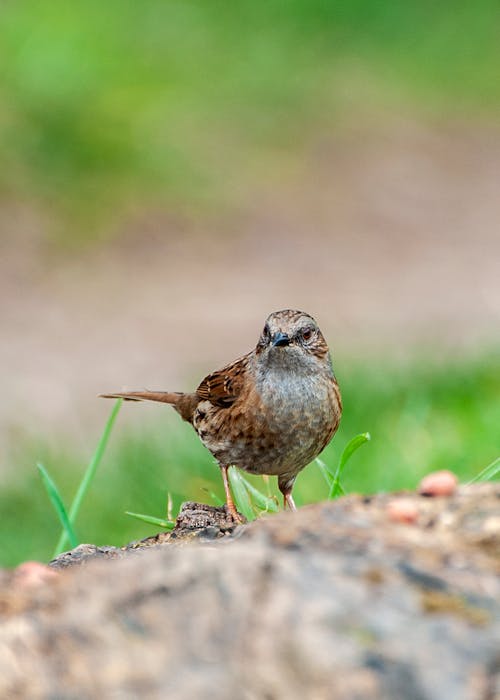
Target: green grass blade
(336, 488)
(151, 520)
(89, 473)
(351, 448)
(240, 493)
(262, 501)
(215, 498)
(170, 505)
(58, 504)
(488, 473)
(327, 475)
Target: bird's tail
(184, 404)
(161, 396)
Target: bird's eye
(307, 334)
(266, 334)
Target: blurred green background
(175, 100)
(173, 172)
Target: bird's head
(291, 338)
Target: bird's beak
(280, 340)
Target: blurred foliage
(421, 417)
(104, 106)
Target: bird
(271, 411)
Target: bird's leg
(286, 486)
(231, 508)
(288, 500)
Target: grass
(67, 521)
(167, 103)
(489, 473)
(421, 416)
(333, 477)
(54, 495)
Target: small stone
(33, 573)
(442, 483)
(402, 510)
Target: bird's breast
(289, 395)
(275, 424)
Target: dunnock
(272, 411)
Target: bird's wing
(223, 387)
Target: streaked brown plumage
(272, 411)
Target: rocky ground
(391, 596)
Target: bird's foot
(238, 518)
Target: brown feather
(184, 404)
(162, 396)
(223, 387)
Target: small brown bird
(272, 411)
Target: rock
(403, 510)
(441, 483)
(199, 516)
(336, 602)
(33, 573)
(195, 521)
(84, 552)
